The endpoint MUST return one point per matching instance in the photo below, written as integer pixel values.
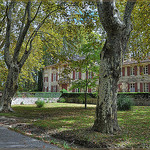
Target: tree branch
(36, 12)
(39, 26)
(31, 38)
(127, 15)
(41, 32)
(129, 7)
(23, 32)
(7, 56)
(23, 22)
(2, 44)
(26, 55)
(109, 15)
(29, 11)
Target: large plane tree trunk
(13, 59)
(10, 89)
(118, 32)
(106, 111)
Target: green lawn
(72, 120)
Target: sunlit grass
(73, 119)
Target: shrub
(40, 103)
(48, 100)
(124, 102)
(82, 98)
(64, 91)
(62, 100)
(22, 103)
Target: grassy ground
(73, 123)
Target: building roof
(128, 62)
(77, 58)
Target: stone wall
(140, 99)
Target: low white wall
(31, 100)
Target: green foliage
(82, 98)
(40, 103)
(22, 103)
(64, 91)
(140, 36)
(68, 95)
(90, 49)
(133, 93)
(48, 94)
(79, 98)
(61, 100)
(39, 94)
(48, 100)
(66, 146)
(124, 102)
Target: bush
(22, 103)
(64, 91)
(40, 103)
(124, 102)
(61, 100)
(82, 99)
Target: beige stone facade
(135, 77)
(53, 81)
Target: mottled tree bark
(10, 89)
(118, 33)
(14, 64)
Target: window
(77, 90)
(45, 79)
(55, 88)
(121, 74)
(132, 87)
(54, 77)
(145, 70)
(132, 71)
(90, 75)
(76, 75)
(145, 87)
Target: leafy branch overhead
(22, 20)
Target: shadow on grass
(73, 124)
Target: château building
(135, 77)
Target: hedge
(69, 95)
(39, 94)
(79, 98)
(92, 98)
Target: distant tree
(139, 46)
(89, 64)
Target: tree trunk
(110, 67)
(118, 33)
(86, 87)
(10, 89)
